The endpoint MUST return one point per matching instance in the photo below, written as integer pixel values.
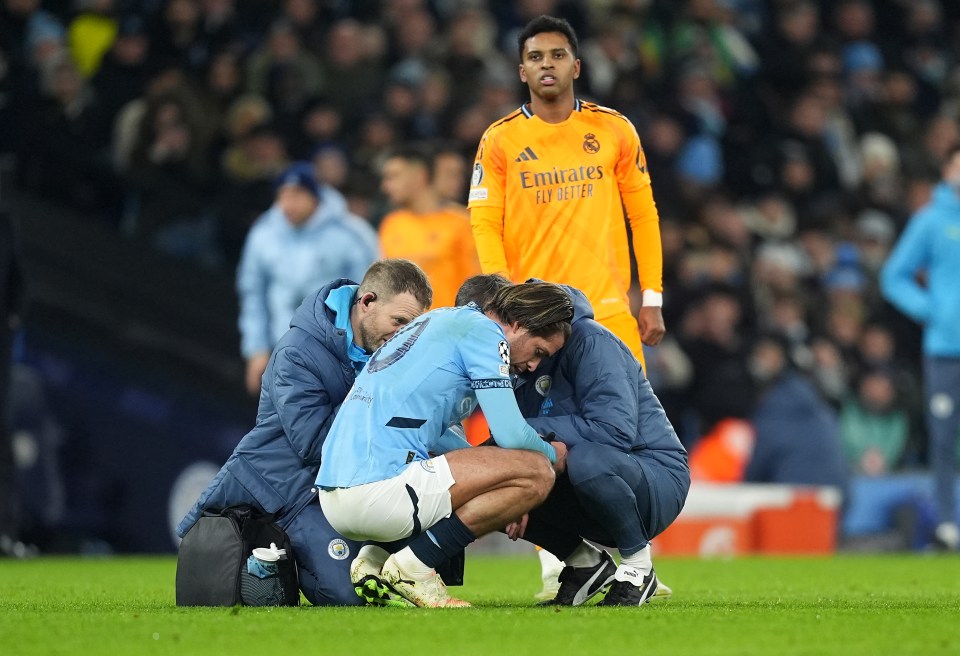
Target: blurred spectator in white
(305, 240)
(770, 218)
(882, 186)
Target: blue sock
(442, 541)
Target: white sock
(635, 566)
(586, 555)
(375, 555)
(411, 565)
(550, 565)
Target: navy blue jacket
(798, 438)
(275, 465)
(594, 390)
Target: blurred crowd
(789, 142)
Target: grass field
(845, 605)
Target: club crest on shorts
(504, 350)
(543, 385)
(941, 405)
(338, 549)
(428, 466)
(590, 143)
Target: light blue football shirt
(415, 389)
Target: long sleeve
(303, 404)
(645, 225)
(898, 280)
(507, 425)
(487, 225)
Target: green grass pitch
(844, 605)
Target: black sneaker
(580, 584)
(628, 593)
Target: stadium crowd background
(788, 140)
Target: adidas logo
(526, 155)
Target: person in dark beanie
(306, 239)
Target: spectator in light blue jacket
(305, 239)
(930, 247)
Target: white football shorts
(396, 508)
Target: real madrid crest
(590, 143)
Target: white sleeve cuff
(652, 298)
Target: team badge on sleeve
(504, 349)
(477, 176)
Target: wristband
(652, 298)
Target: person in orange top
(550, 184)
(426, 229)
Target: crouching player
(394, 465)
(627, 476)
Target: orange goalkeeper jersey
(438, 242)
(547, 201)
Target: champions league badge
(543, 385)
(504, 349)
(477, 176)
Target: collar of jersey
(529, 114)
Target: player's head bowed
(542, 308)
